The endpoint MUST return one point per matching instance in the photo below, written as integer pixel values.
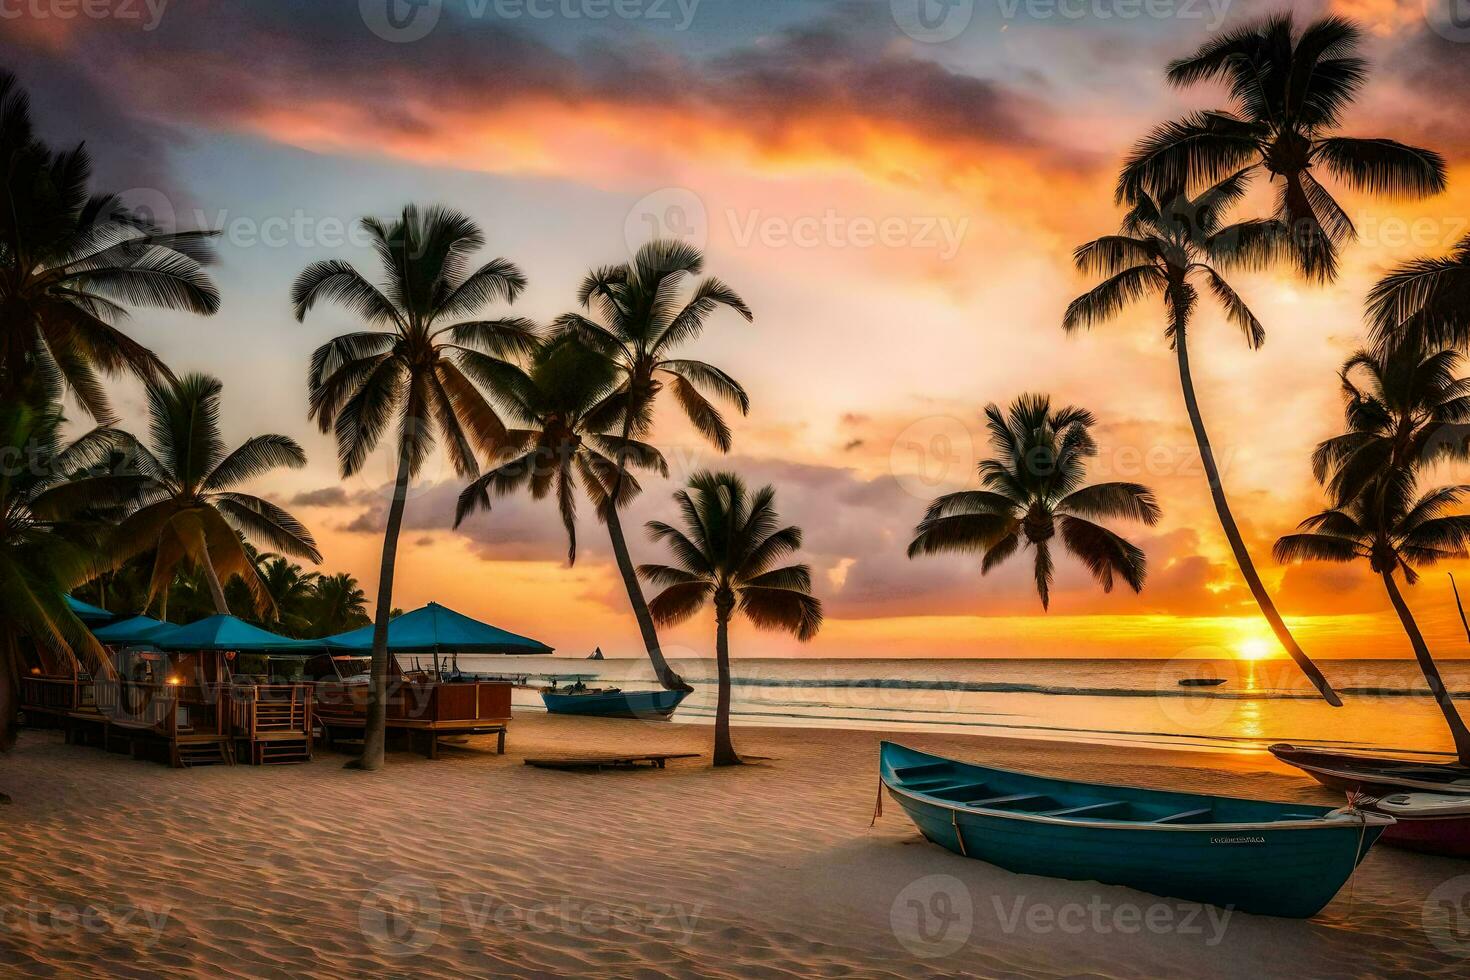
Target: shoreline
(476, 863)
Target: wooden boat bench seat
(1007, 801)
(1184, 816)
(1104, 809)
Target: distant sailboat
(597, 655)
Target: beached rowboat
(1430, 800)
(1286, 859)
(1377, 775)
(1432, 823)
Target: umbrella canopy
(137, 629)
(89, 614)
(437, 629)
(229, 633)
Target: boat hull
(616, 704)
(1291, 871)
(1377, 775)
(1447, 836)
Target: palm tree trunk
(1427, 667)
(375, 735)
(1232, 533)
(9, 690)
(725, 754)
(667, 676)
(216, 590)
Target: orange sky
(780, 140)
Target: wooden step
(281, 751)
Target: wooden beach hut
(423, 704)
(54, 686)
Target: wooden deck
(423, 711)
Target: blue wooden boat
(1286, 859)
(613, 703)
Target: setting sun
(1254, 648)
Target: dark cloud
(220, 64)
(323, 497)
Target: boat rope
(954, 820)
(878, 806)
(1356, 800)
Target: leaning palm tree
(560, 443)
(1424, 301)
(1166, 249)
(418, 368)
(1397, 531)
(1289, 90)
(1405, 410)
(188, 514)
(71, 263)
(48, 544)
(643, 318)
(727, 552)
(1033, 488)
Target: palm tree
(1424, 300)
(562, 413)
(338, 604)
(48, 545)
(1164, 250)
(1289, 90)
(417, 368)
(69, 262)
(1405, 408)
(1032, 489)
(727, 552)
(188, 513)
(1397, 533)
(1409, 411)
(643, 320)
(292, 590)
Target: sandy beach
(478, 864)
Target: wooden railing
(259, 709)
(417, 701)
(54, 695)
(171, 710)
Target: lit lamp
(174, 680)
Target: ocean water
(1386, 703)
